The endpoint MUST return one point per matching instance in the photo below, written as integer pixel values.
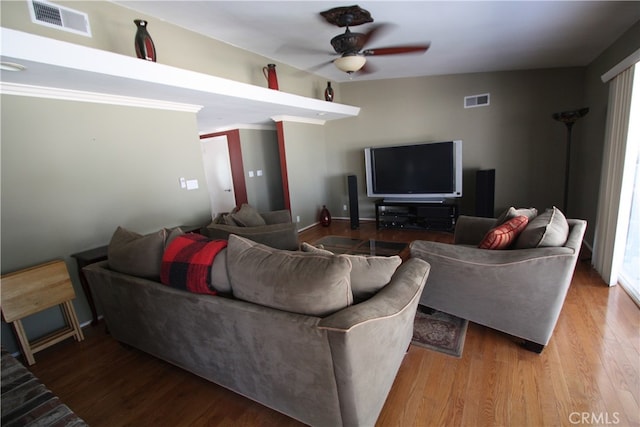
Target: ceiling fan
(351, 46)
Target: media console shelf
(416, 215)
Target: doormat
(439, 331)
(352, 246)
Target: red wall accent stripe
(283, 166)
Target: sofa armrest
(279, 236)
(471, 229)
(406, 283)
(276, 217)
(471, 255)
(369, 341)
(520, 292)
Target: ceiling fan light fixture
(350, 63)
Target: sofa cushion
(248, 216)
(187, 263)
(369, 273)
(227, 219)
(298, 282)
(547, 229)
(136, 254)
(512, 212)
(504, 235)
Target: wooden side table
(83, 259)
(31, 290)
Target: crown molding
(99, 98)
(296, 119)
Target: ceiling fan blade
(367, 68)
(375, 32)
(395, 50)
(315, 68)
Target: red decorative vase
(145, 49)
(325, 216)
(270, 74)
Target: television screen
(417, 171)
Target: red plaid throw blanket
(186, 263)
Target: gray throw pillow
(547, 229)
(298, 282)
(369, 273)
(172, 234)
(219, 276)
(512, 212)
(132, 253)
(227, 219)
(248, 216)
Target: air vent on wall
(476, 100)
(60, 17)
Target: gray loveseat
(273, 228)
(331, 368)
(517, 291)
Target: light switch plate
(192, 184)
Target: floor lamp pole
(568, 118)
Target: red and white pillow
(504, 235)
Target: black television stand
(416, 215)
(410, 201)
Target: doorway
(217, 169)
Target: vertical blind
(607, 231)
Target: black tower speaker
(485, 192)
(352, 185)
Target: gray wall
(72, 172)
(306, 153)
(260, 152)
(515, 134)
(94, 167)
(63, 191)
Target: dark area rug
(439, 331)
(26, 401)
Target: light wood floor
(589, 374)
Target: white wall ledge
(119, 79)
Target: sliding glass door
(629, 276)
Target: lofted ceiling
(465, 36)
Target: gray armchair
(277, 232)
(517, 291)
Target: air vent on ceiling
(60, 17)
(476, 100)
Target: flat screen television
(417, 172)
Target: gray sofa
(273, 228)
(516, 291)
(332, 368)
